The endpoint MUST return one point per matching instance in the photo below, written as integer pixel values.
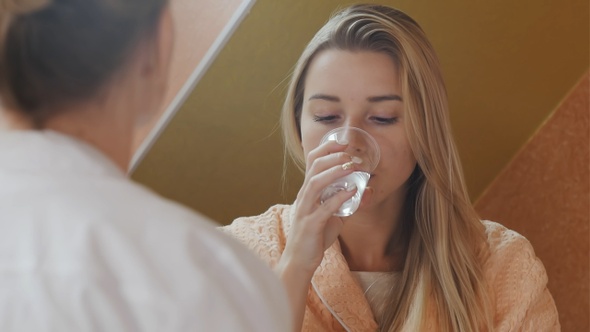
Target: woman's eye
(327, 118)
(382, 120)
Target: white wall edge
(224, 36)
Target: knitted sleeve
(518, 284)
(262, 234)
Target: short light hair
(57, 52)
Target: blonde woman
(415, 256)
(82, 248)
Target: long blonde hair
(445, 238)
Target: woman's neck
(371, 239)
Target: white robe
(82, 248)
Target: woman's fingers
(313, 232)
(332, 225)
(327, 155)
(325, 164)
(324, 150)
(332, 204)
(309, 195)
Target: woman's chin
(367, 198)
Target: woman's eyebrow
(322, 96)
(377, 99)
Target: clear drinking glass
(363, 146)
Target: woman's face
(360, 89)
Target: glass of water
(365, 153)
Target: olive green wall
(507, 66)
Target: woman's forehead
(338, 71)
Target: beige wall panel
(507, 65)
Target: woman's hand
(313, 226)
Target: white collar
(50, 152)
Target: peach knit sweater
(516, 279)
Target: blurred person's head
(59, 58)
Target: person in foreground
(82, 248)
(415, 256)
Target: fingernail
(342, 141)
(356, 160)
(347, 166)
(351, 188)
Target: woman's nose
(354, 139)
